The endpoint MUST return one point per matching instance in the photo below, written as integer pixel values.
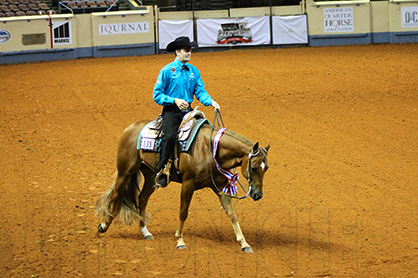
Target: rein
(232, 178)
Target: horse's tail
(127, 201)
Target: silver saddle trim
(152, 129)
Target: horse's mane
(233, 134)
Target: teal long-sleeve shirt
(172, 83)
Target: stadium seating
(36, 7)
(10, 8)
(88, 6)
(33, 7)
(13, 8)
(43, 6)
(4, 8)
(23, 7)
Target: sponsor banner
(290, 29)
(233, 31)
(61, 32)
(169, 30)
(338, 19)
(409, 17)
(123, 28)
(5, 36)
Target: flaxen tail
(127, 202)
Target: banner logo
(4, 36)
(62, 33)
(233, 33)
(338, 19)
(123, 28)
(409, 17)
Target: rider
(177, 84)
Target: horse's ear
(267, 147)
(255, 148)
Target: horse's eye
(254, 169)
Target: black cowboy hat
(179, 43)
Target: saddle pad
(148, 138)
(150, 141)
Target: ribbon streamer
(231, 187)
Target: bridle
(218, 119)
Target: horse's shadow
(261, 240)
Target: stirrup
(165, 171)
(162, 181)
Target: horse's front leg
(230, 211)
(186, 196)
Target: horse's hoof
(181, 247)
(100, 228)
(150, 237)
(248, 250)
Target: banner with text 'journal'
(233, 31)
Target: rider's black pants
(172, 117)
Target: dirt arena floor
(340, 197)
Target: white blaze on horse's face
(257, 167)
(263, 165)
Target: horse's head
(256, 167)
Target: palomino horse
(126, 200)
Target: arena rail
(31, 39)
(136, 32)
(403, 27)
(340, 3)
(339, 22)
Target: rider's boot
(162, 178)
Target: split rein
(232, 177)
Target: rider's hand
(181, 104)
(216, 105)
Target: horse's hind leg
(144, 196)
(230, 211)
(113, 206)
(128, 162)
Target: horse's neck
(233, 150)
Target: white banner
(169, 30)
(123, 28)
(409, 17)
(233, 32)
(338, 19)
(290, 29)
(62, 32)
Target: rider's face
(184, 54)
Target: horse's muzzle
(256, 196)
